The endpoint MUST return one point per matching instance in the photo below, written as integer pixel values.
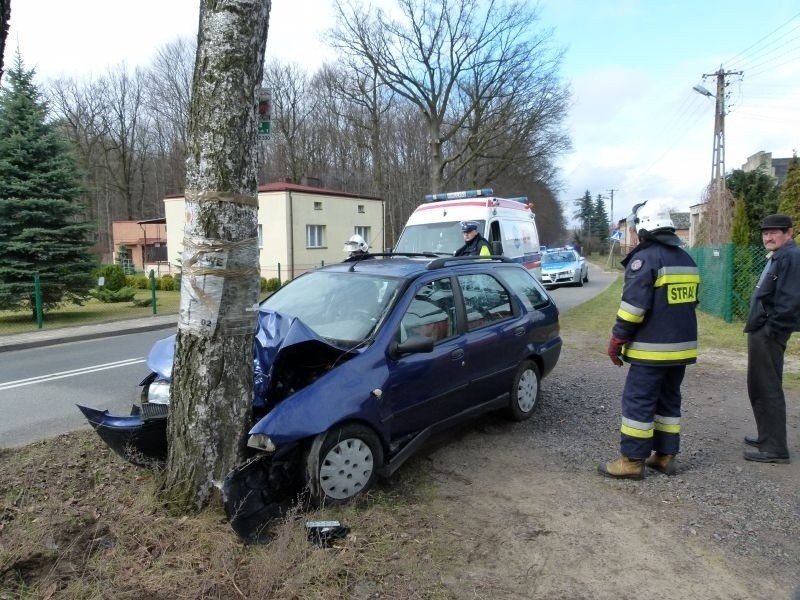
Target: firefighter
(656, 333)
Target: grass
(92, 311)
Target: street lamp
(701, 90)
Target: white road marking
(61, 375)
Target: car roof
(411, 265)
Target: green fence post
(37, 294)
(153, 290)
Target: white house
(299, 227)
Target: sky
(637, 126)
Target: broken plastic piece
(323, 533)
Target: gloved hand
(615, 345)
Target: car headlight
(260, 441)
(158, 392)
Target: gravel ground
(554, 528)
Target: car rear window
(525, 286)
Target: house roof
(281, 186)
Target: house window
(317, 205)
(363, 232)
(361, 209)
(260, 236)
(315, 236)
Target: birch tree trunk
(212, 383)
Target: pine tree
(789, 198)
(41, 216)
(600, 219)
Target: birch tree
(212, 384)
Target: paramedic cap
(469, 226)
(777, 222)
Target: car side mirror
(413, 345)
(497, 248)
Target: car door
(495, 336)
(425, 387)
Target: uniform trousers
(765, 350)
(651, 408)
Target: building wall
(285, 211)
(134, 236)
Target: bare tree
(715, 228)
(5, 17)
(212, 386)
(451, 58)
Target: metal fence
(728, 275)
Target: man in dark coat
(774, 315)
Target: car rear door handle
(519, 331)
(457, 354)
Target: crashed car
(356, 365)
(564, 267)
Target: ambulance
(507, 224)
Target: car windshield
(559, 257)
(442, 238)
(341, 307)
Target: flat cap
(469, 226)
(777, 222)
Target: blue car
(356, 365)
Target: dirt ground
(540, 522)
(494, 510)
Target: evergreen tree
(600, 219)
(789, 197)
(585, 212)
(760, 193)
(41, 224)
(740, 229)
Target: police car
(563, 266)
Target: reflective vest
(657, 311)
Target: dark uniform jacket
(474, 247)
(657, 312)
(776, 300)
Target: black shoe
(767, 457)
(752, 441)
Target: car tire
(525, 392)
(586, 277)
(342, 463)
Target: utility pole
(718, 155)
(611, 209)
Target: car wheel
(524, 392)
(586, 277)
(342, 463)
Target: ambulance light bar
(458, 195)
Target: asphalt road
(39, 387)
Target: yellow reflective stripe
(650, 355)
(667, 428)
(637, 433)
(485, 251)
(676, 278)
(629, 317)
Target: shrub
(124, 294)
(114, 276)
(166, 283)
(270, 285)
(140, 282)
